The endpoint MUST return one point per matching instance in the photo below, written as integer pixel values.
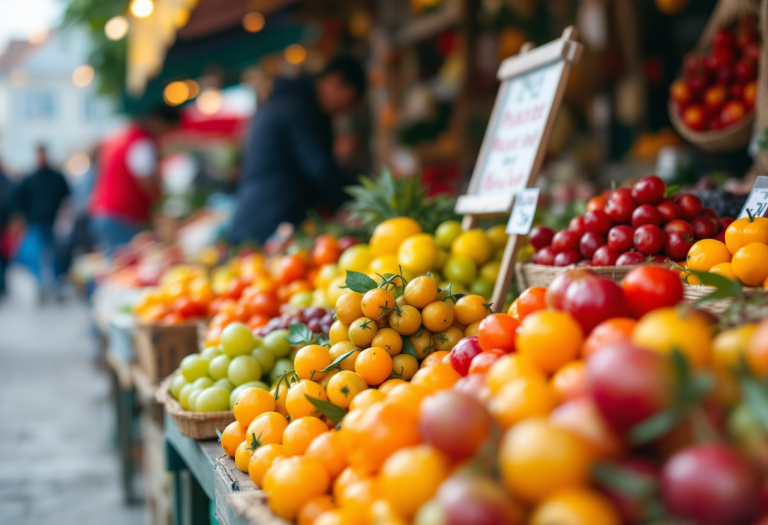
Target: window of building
(40, 104)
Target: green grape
(275, 342)
(192, 400)
(177, 384)
(265, 358)
(203, 382)
(184, 395)
(237, 339)
(224, 383)
(244, 368)
(280, 368)
(213, 399)
(193, 367)
(210, 352)
(218, 367)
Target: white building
(40, 103)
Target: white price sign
(757, 202)
(523, 210)
(517, 132)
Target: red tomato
(265, 303)
(497, 331)
(650, 287)
(188, 308)
(290, 268)
(482, 362)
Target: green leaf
(322, 340)
(671, 190)
(359, 282)
(408, 347)
(333, 412)
(299, 334)
(724, 287)
(755, 396)
(219, 434)
(624, 481)
(656, 426)
(337, 362)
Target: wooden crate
(160, 349)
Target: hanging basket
(739, 134)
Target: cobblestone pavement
(58, 464)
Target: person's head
(341, 85)
(42, 156)
(161, 120)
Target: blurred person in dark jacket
(6, 194)
(289, 165)
(38, 199)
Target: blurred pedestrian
(6, 192)
(39, 198)
(289, 165)
(128, 183)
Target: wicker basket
(737, 135)
(529, 274)
(719, 306)
(160, 348)
(195, 425)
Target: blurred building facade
(41, 103)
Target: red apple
(462, 354)
(558, 286)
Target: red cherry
(704, 227)
(725, 222)
(697, 84)
(679, 225)
(577, 225)
(690, 204)
(625, 191)
(605, 256)
(693, 64)
(695, 117)
(708, 212)
(724, 38)
(565, 240)
(715, 97)
(645, 214)
(597, 221)
(718, 58)
(736, 90)
(720, 237)
(677, 245)
(630, 259)
(649, 190)
(621, 238)
(744, 70)
(732, 112)
(589, 244)
(669, 211)
(620, 207)
(724, 75)
(649, 239)
(540, 236)
(751, 51)
(545, 256)
(567, 258)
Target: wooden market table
(203, 480)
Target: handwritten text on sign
(523, 210)
(519, 127)
(757, 202)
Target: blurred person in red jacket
(128, 183)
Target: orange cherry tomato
(481, 363)
(607, 332)
(531, 300)
(498, 331)
(597, 203)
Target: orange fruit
(261, 459)
(745, 231)
(570, 381)
(421, 291)
(576, 506)
(522, 398)
(471, 308)
(388, 235)
(408, 397)
(757, 350)
(359, 495)
(531, 300)
(730, 345)
(347, 477)
(367, 398)
(310, 360)
(509, 367)
(344, 386)
(349, 307)
(231, 438)
(313, 508)
(437, 316)
(341, 517)
(266, 429)
(750, 264)
(705, 254)
(377, 303)
(374, 365)
(404, 366)
(666, 329)
(243, 456)
(362, 331)
(434, 358)
(382, 429)
(411, 476)
(253, 402)
(550, 338)
(292, 482)
(389, 384)
(445, 341)
(339, 349)
(607, 332)
(296, 402)
(330, 449)
(339, 332)
(406, 320)
(300, 432)
(437, 377)
(538, 459)
(389, 340)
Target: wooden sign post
(532, 88)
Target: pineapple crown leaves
(377, 199)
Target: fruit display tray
(195, 425)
